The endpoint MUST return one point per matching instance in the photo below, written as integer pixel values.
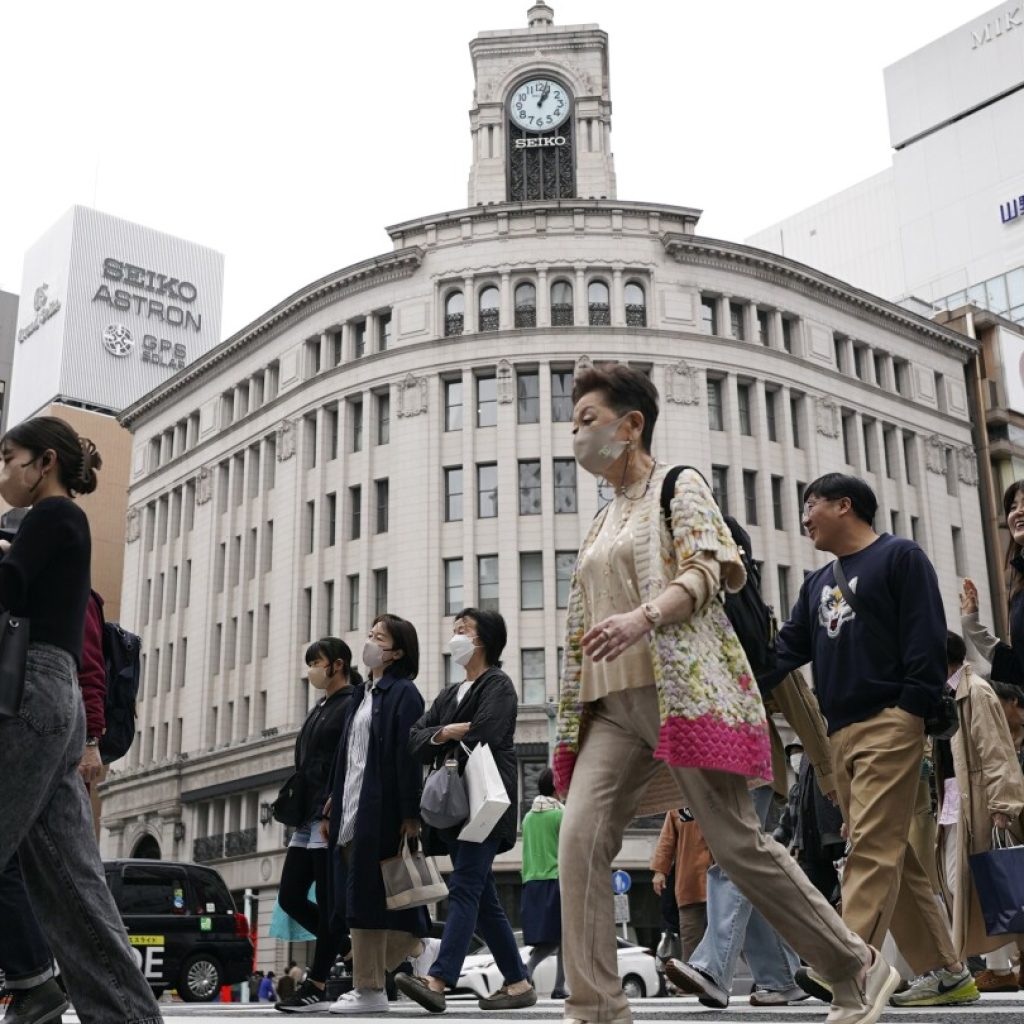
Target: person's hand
(325, 829)
(453, 732)
(844, 831)
(1000, 820)
(658, 881)
(832, 797)
(609, 638)
(5, 546)
(91, 765)
(410, 828)
(969, 598)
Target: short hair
(833, 486)
(334, 649)
(956, 649)
(1007, 691)
(492, 631)
(403, 636)
(546, 783)
(625, 390)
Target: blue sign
(621, 882)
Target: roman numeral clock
(541, 148)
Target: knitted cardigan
(712, 715)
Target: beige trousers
(376, 951)
(614, 765)
(877, 766)
(693, 923)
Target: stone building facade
(396, 435)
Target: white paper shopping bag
(488, 799)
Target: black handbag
(13, 655)
(941, 722)
(290, 806)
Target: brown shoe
(990, 981)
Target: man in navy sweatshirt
(878, 674)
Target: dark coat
(390, 795)
(491, 706)
(316, 747)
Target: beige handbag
(411, 879)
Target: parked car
(183, 926)
(637, 969)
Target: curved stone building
(396, 436)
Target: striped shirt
(358, 742)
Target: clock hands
(544, 95)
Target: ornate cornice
(798, 277)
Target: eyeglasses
(809, 505)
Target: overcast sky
(287, 135)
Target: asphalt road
(998, 1009)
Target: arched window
(636, 305)
(489, 301)
(454, 314)
(526, 305)
(561, 304)
(597, 304)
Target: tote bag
(411, 879)
(445, 803)
(488, 799)
(999, 878)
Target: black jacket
(491, 706)
(315, 747)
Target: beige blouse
(610, 586)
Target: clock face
(539, 105)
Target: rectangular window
(353, 602)
(894, 524)
(784, 602)
(356, 420)
(158, 602)
(332, 520)
(796, 412)
(487, 490)
(190, 505)
(182, 661)
(889, 452)
(750, 496)
(383, 490)
(715, 417)
(959, 555)
(771, 401)
(384, 331)
(453, 494)
(531, 580)
(219, 562)
(487, 582)
(952, 473)
(270, 464)
(268, 546)
(359, 338)
(309, 439)
(383, 419)
(800, 488)
(232, 643)
(839, 347)
(186, 584)
(787, 334)
(867, 432)
(328, 609)
(709, 314)
(312, 357)
(860, 362)
(529, 488)
(218, 641)
(565, 563)
(380, 591)
(736, 321)
(253, 472)
(561, 396)
(453, 405)
(236, 559)
(264, 641)
(565, 485)
(910, 457)
(331, 432)
(453, 586)
(310, 527)
(880, 377)
(175, 507)
(720, 487)
(336, 348)
(355, 512)
(915, 531)
(247, 639)
(486, 401)
(528, 397)
(763, 317)
(306, 625)
(847, 422)
(532, 675)
(902, 370)
(777, 516)
(743, 408)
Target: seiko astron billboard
(110, 310)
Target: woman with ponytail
(45, 813)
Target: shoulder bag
(290, 806)
(444, 802)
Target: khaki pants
(614, 765)
(376, 951)
(693, 923)
(877, 766)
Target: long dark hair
(77, 457)
(1016, 578)
(334, 649)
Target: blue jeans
(46, 817)
(25, 957)
(734, 926)
(473, 904)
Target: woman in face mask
(482, 709)
(374, 807)
(331, 677)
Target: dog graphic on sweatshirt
(833, 610)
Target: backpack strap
(668, 490)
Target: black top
(861, 667)
(317, 744)
(45, 575)
(1008, 659)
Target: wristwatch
(652, 613)
(92, 741)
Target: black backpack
(753, 620)
(121, 658)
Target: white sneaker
(422, 963)
(361, 1000)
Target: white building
(396, 435)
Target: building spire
(540, 16)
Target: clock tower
(541, 117)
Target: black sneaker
(307, 999)
(38, 1005)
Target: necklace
(624, 491)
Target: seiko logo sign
(1006, 22)
(118, 341)
(538, 143)
(44, 308)
(1011, 210)
(171, 290)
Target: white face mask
(794, 763)
(317, 676)
(373, 654)
(596, 447)
(461, 648)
